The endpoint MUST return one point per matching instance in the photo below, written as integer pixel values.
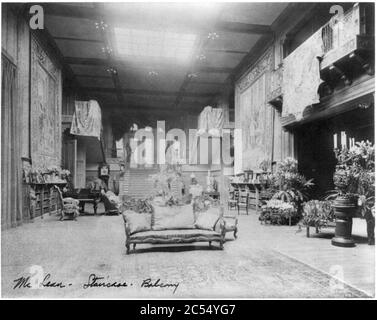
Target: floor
(264, 262)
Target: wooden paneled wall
(16, 120)
(14, 117)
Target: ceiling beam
(209, 83)
(77, 39)
(214, 70)
(239, 27)
(122, 64)
(64, 10)
(150, 92)
(222, 51)
(195, 82)
(93, 76)
(144, 108)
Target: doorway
(315, 145)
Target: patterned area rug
(94, 247)
(258, 274)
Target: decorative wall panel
(45, 108)
(254, 117)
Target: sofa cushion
(207, 219)
(175, 217)
(158, 201)
(138, 222)
(174, 235)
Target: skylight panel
(155, 44)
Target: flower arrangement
(354, 194)
(52, 174)
(287, 191)
(317, 214)
(354, 175)
(279, 212)
(65, 174)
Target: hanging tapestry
(301, 77)
(255, 123)
(45, 109)
(87, 119)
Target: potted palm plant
(354, 183)
(288, 186)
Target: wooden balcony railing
(348, 55)
(343, 35)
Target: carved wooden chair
(233, 198)
(243, 201)
(69, 206)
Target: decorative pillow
(207, 219)
(138, 222)
(158, 201)
(176, 217)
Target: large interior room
(187, 150)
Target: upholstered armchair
(231, 222)
(69, 206)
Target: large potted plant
(288, 186)
(279, 212)
(354, 183)
(318, 214)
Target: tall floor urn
(344, 210)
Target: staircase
(138, 183)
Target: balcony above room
(349, 39)
(332, 71)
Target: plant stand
(344, 210)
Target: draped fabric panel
(301, 77)
(211, 121)
(210, 124)
(87, 119)
(11, 176)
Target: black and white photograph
(187, 150)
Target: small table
(213, 194)
(83, 201)
(87, 196)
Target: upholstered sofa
(174, 225)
